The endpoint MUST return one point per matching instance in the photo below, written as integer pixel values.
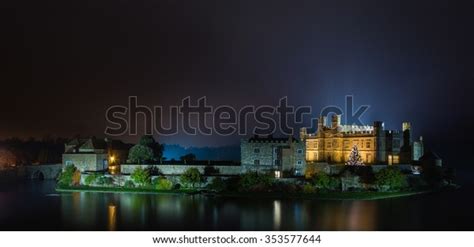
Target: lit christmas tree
(354, 158)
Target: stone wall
(336, 169)
(86, 161)
(179, 169)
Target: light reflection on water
(32, 209)
(175, 212)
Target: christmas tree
(354, 158)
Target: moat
(37, 206)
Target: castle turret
(380, 154)
(418, 149)
(335, 121)
(321, 123)
(378, 128)
(303, 133)
(406, 128)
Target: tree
(191, 176)
(140, 154)
(67, 175)
(390, 179)
(140, 176)
(254, 181)
(157, 148)
(354, 158)
(188, 158)
(7, 158)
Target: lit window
(396, 159)
(277, 174)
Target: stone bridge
(41, 172)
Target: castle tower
(418, 149)
(380, 152)
(321, 123)
(303, 133)
(335, 121)
(406, 128)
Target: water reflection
(40, 208)
(112, 218)
(176, 212)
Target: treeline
(17, 151)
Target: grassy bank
(123, 190)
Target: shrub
(217, 184)
(253, 181)
(129, 184)
(177, 186)
(191, 177)
(308, 189)
(310, 171)
(162, 183)
(141, 177)
(91, 179)
(66, 176)
(105, 181)
(323, 181)
(390, 179)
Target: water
(36, 206)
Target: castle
(333, 143)
(273, 154)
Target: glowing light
(112, 159)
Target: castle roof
(272, 139)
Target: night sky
(63, 64)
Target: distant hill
(203, 153)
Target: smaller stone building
(95, 154)
(283, 156)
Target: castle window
(256, 162)
(257, 150)
(299, 162)
(275, 150)
(300, 151)
(276, 162)
(346, 144)
(367, 145)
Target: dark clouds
(64, 63)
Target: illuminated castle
(333, 144)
